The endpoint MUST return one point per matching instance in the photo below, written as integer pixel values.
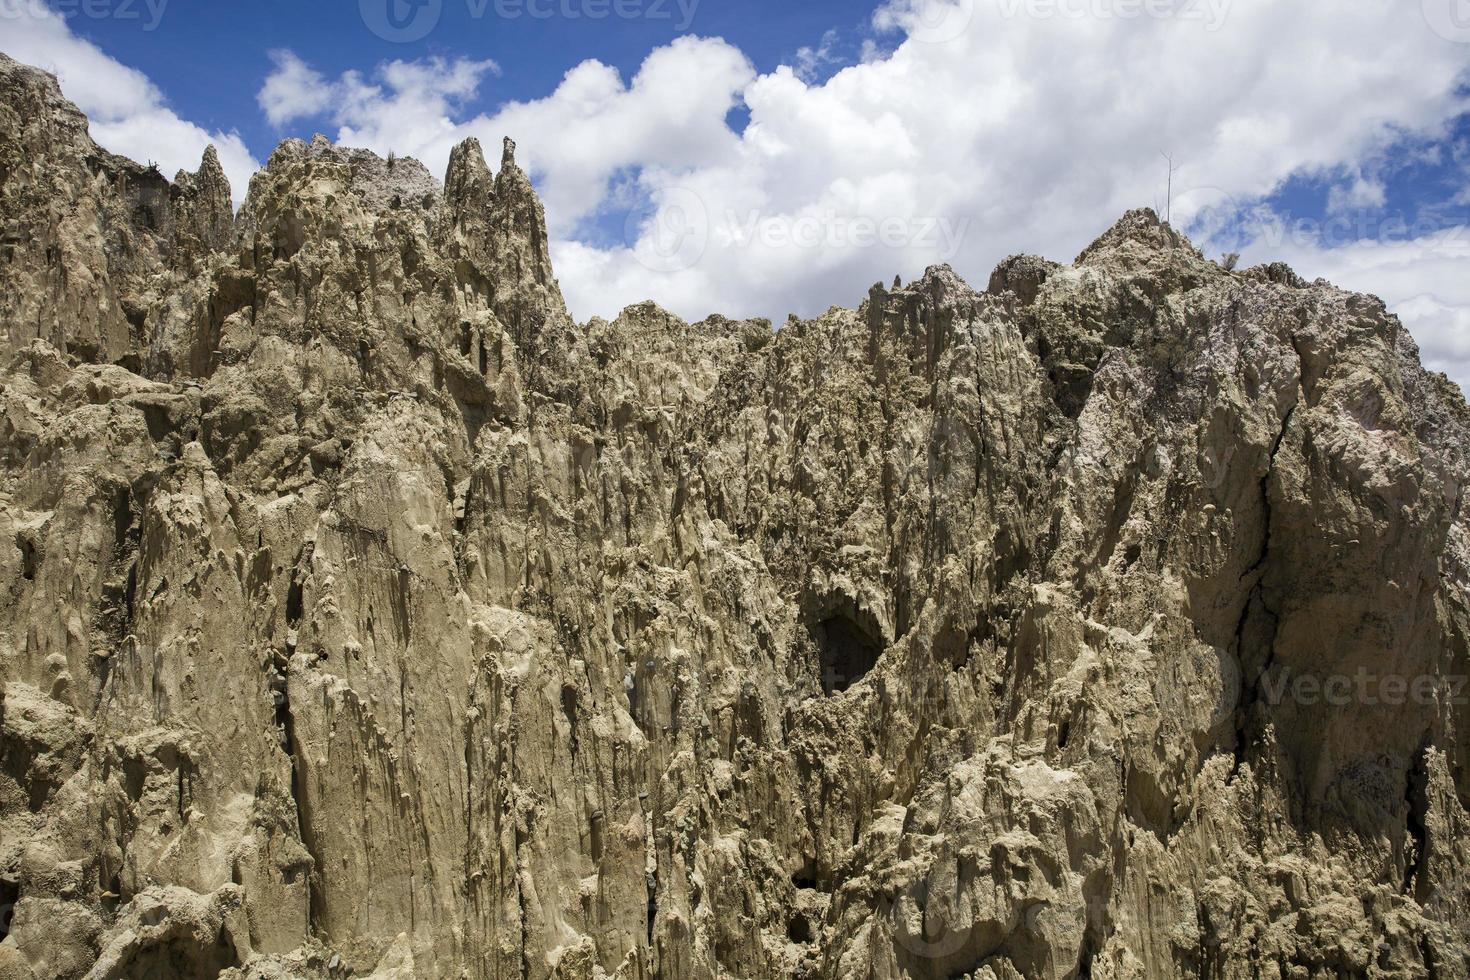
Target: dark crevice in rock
(849, 646)
(9, 896)
(286, 725)
(652, 912)
(1255, 632)
(1431, 962)
(1266, 494)
(569, 709)
(296, 594)
(28, 559)
(806, 877)
(1416, 801)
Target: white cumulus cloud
(127, 112)
(992, 126)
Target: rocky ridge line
(367, 616)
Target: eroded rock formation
(365, 615)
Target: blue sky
(209, 57)
(760, 158)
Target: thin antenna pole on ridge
(1169, 199)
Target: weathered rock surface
(365, 616)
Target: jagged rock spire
(495, 230)
(468, 183)
(204, 215)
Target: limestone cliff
(365, 615)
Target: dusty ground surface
(364, 615)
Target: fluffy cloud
(992, 126)
(294, 90)
(404, 107)
(810, 61)
(128, 114)
(1443, 333)
(576, 140)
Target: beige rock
(366, 616)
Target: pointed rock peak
(941, 277)
(211, 173)
(1278, 272)
(940, 285)
(205, 212)
(938, 280)
(19, 71)
(1137, 235)
(1021, 275)
(467, 153)
(512, 182)
(320, 142)
(467, 171)
(286, 153)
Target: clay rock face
(366, 616)
(90, 241)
